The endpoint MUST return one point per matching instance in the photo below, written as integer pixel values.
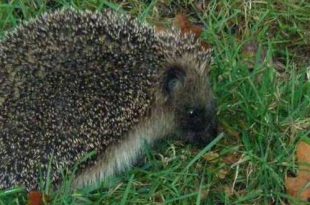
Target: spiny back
(70, 82)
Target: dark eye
(174, 79)
(172, 84)
(192, 113)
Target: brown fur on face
(192, 100)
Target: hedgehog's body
(76, 82)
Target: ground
(261, 78)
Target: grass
(261, 79)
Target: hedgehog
(89, 88)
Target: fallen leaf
(35, 198)
(204, 194)
(182, 22)
(211, 157)
(300, 186)
(159, 199)
(222, 173)
(228, 191)
(186, 27)
(231, 158)
(38, 198)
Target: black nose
(196, 119)
(200, 125)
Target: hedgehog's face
(188, 94)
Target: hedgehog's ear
(174, 78)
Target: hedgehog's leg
(121, 156)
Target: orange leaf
(299, 186)
(186, 27)
(303, 154)
(35, 198)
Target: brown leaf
(204, 194)
(38, 198)
(186, 27)
(182, 22)
(299, 186)
(232, 158)
(228, 191)
(35, 198)
(159, 199)
(211, 157)
(303, 154)
(222, 173)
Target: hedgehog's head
(185, 91)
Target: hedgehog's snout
(200, 125)
(196, 119)
(188, 92)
